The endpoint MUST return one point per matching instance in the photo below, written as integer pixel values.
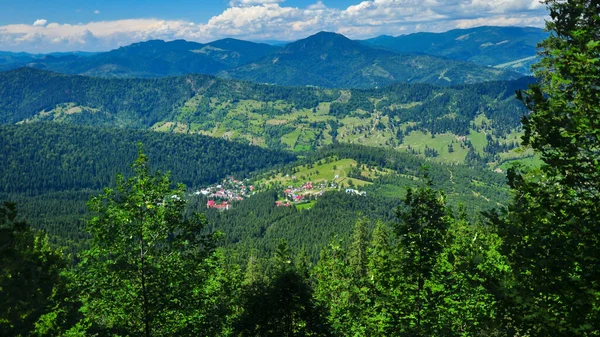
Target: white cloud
(244, 3)
(40, 22)
(268, 19)
(96, 11)
(317, 6)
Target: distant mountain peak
(323, 41)
(324, 36)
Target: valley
(424, 184)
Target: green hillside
(157, 58)
(332, 60)
(465, 123)
(255, 225)
(51, 169)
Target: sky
(37, 26)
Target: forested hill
(157, 58)
(332, 60)
(26, 93)
(479, 117)
(52, 169)
(50, 157)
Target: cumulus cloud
(40, 22)
(244, 3)
(96, 11)
(272, 20)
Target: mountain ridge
(324, 59)
(484, 45)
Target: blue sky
(66, 25)
(73, 11)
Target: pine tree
(383, 279)
(283, 306)
(334, 290)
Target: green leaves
(32, 283)
(551, 230)
(148, 266)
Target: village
(222, 195)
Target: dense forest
(417, 265)
(51, 169)
(477, 119)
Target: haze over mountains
(324, 59)
(488, 46)
(334, 61)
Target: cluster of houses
(356, 192)
(221, 195)
(285, 203)
(298, 194)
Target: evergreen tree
(334, 290)
(466, 281)
(383, 281)
(357, 256)
(32, 283)
(423, 234)
(284, 305)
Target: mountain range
(324, 59)
(334, 61)
(487, 46)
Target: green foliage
(423, 234)
(32, 286)
(551, 228)
(466, 283)
(149, 271)
(284, 305)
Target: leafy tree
(149, 271)
(466, 281)
(551, 231)
(31, 281)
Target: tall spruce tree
(283, 305)
(423, 233)
(383, 270)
